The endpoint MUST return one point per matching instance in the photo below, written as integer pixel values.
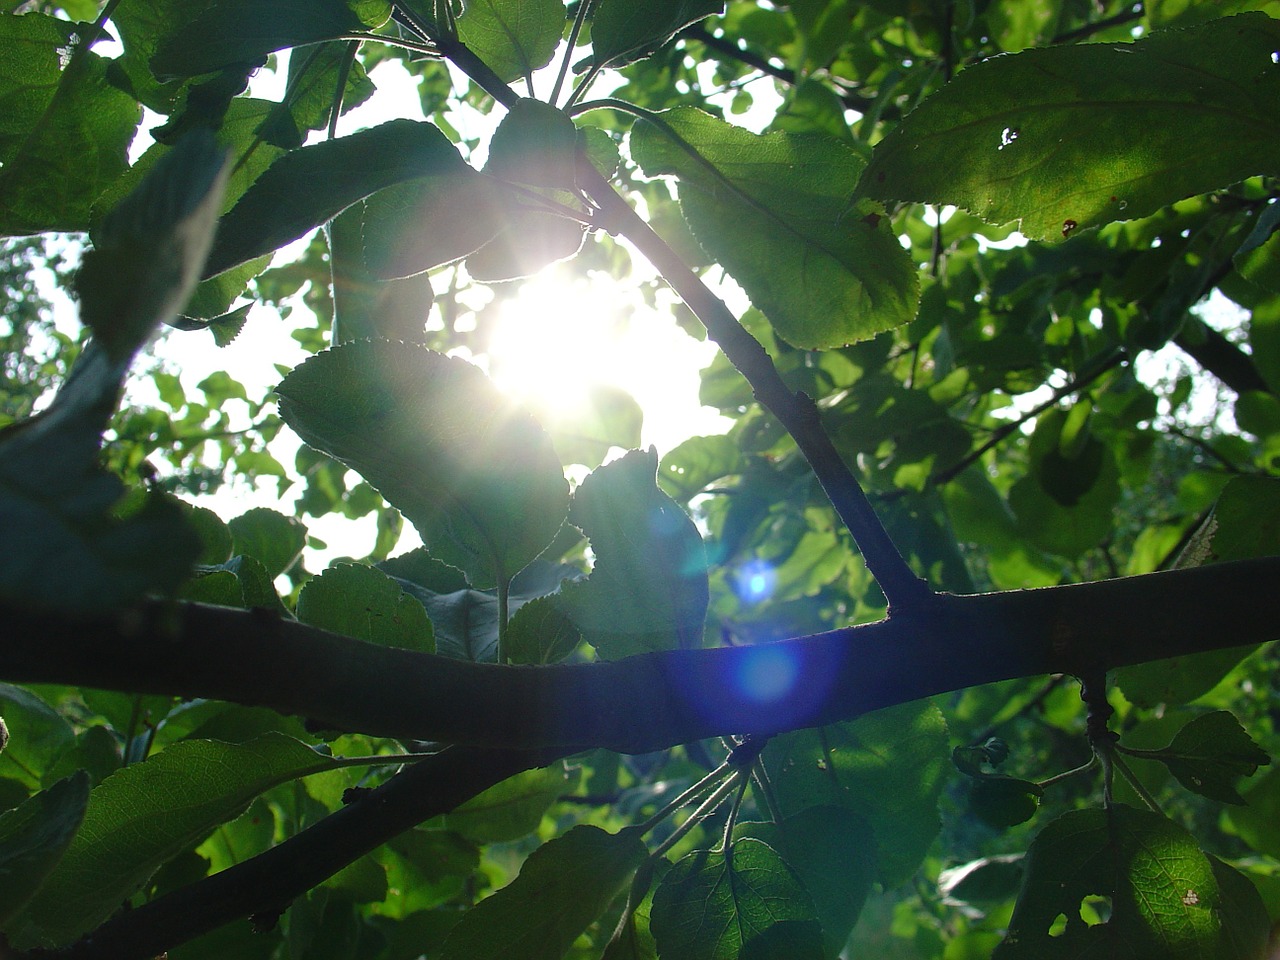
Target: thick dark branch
(653, 701)
(265, 885)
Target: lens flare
(755, 581)
(767, 673)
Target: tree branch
(653, 701)
(1220, 357)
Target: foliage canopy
(782, 692)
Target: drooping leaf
(311, 185)
(648, 589)
(1073, 136)
(1162, 890)
(712, 906)
(889, 767)
(1210, 753)
(775, 211)
(514, 808)
(513, 37)
(65, 132)
(66, 549)
(236, 31)
(623, 32)
(33, 838)
(361, 602)
(146, 813)
(562, 887)
(476, 476)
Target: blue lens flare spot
(767, 673)
(755, 581)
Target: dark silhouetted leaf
(623, 32)
(364, 603)
(34, 836)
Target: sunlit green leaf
(143, 815)
(563, 886)
(475, 475)
(64, 133)
(889, 767)
(512, 37)
(775, 210)
(623, 32)
(712, 906)
(308, 186)
(648, 588)
(1070, 137)
(1161, 891)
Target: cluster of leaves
(983, 392)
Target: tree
(708, 706)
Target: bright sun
(561, 335)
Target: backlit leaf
(1161, 890)
(361, 602)
(775, 210)
(146, 813)
(1210, 753)
(476, 475)
(648, 589)
(562, 887)
(623, 32)
(1073, 136)
(513, 37)
(889, 767)
(713, 905)
(514, 808)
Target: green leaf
(37, 736)
(422, 223)
(775, 211)
(1245, 523)
(623, 32)
(562, 887)
(365, 307)
(513, 37)
(1073, 136)
(34, 836)
(514, 808)
(1163, 893)
(540, 632)
(239, 31)
(711, 906)
(65, 133)
(313, 79)
(1002, 802)
(146, 813)
(832, 852)
(648, 589)
(608, 417)
(889, 767)
(309, 186)
(1210, 753)
(696, 463)
(535, 144)
(269, 537)
(476, 476)
(66, 548)
(361, 602)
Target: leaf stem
(583, 7)
(698, 815)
